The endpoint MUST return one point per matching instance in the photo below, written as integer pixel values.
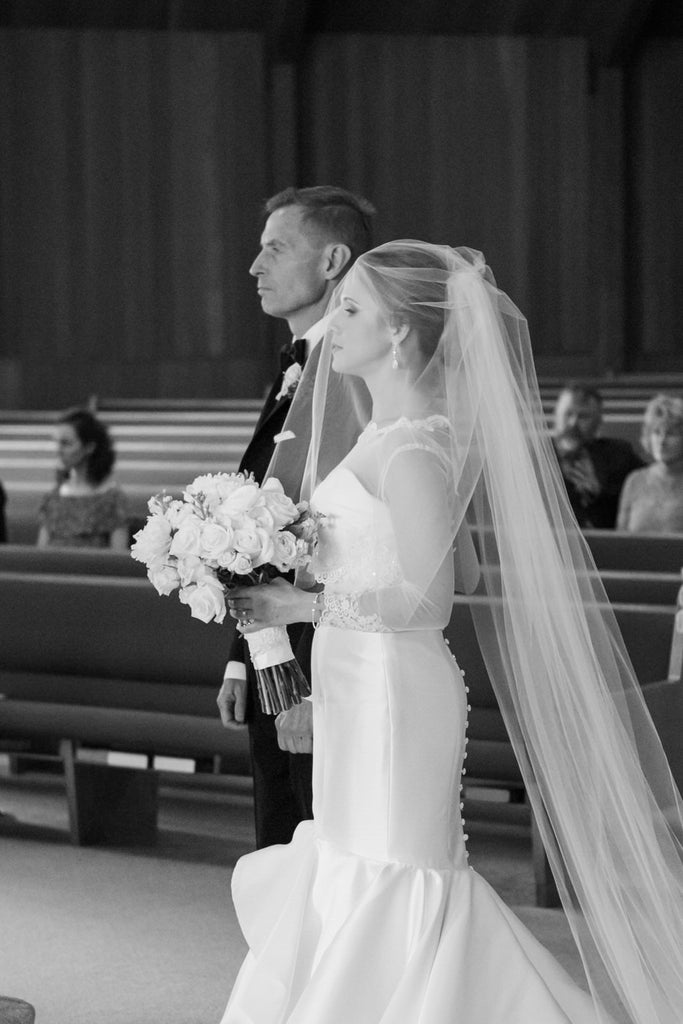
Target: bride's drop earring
(394, 354)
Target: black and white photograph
(341, 512)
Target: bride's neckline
(374, 428)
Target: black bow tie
(294, 352)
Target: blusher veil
(600, 787)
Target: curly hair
(661, 411)
(90, 430)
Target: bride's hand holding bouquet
(228, 530)
(274, 604)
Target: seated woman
(652, 498)
(86, 508)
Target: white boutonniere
(290, 381)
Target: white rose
(267, 548)
(247, 541)
(227, 557)
(164, 578)
(285, 551)
(188, 538)
(206, 600)
(262, 517)
(152, 541)
(253, 540)
(282, 508)
(240, 500)
(215, 540)
(241, 564)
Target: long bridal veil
(601, 790)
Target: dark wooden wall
(133, 172)
(472, 141)
(133, 167)
(655, 264)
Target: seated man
(594, 468)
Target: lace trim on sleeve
(343, 611)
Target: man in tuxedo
(594, 468)
(310, 239)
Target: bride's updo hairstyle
(421, 284)
(410, 284)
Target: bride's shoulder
(407, 448)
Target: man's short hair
(582, 392)
(339, 215)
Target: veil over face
(469, 454)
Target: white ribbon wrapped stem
(269, 647)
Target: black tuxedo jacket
(259, 451)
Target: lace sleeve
(344, 612)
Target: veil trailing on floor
(599, 784)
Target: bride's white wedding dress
(371, 915)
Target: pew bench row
(633, 569)
(103, 661)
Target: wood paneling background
(133, 167)
(656, 214)
(474, 141)
(132, 174)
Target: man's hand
(269, 604)
(232, 702)
(582, 475)
(295, 728)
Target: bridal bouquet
(228, 530)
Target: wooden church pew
(104, 661)
(638, 552)
(24, 558)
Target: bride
(371, 915)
